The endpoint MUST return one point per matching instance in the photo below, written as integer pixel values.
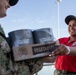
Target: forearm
(49, 59)
(72, 51)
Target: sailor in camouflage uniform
(7, 65)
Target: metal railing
(45, 64)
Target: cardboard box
(23, 52)
(28, 44)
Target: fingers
(61, 50)
(55, 52)
(49, 59)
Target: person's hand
(61, 50)
(49, 59)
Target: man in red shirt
(65, 60)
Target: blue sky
(35, 14)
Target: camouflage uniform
(10, 67)
(4, 49)
(63, 72)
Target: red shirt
(66, 62)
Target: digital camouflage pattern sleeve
(10, 67)
(4, 50)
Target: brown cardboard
(23, 52)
